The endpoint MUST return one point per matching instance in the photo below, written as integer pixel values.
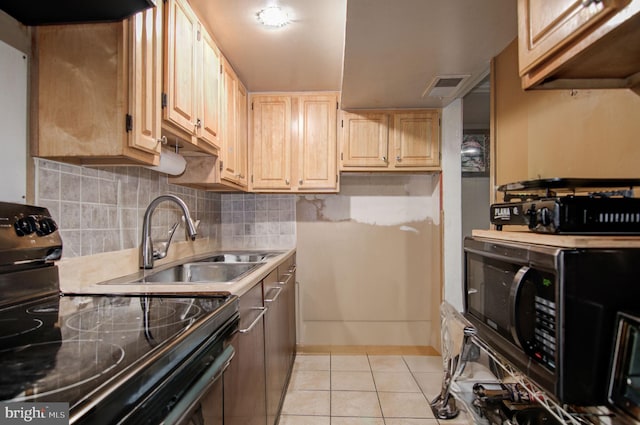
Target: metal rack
(460, 346)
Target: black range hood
(43, 12)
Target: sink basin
(240, 257)
(210, 272)
(224, 267)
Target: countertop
(118, 286)
(563, 241)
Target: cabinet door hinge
(440, 156)
(163, 100)
(342, 123)
(337, 107)
(252, 106)
(221, 166)
(221, 69)
(251, 178)
(341, 156)
(129, 123)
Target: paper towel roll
(170, 163)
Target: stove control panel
(40, 225)
(27, 234)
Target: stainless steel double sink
(223, 267)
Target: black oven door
(203, 402)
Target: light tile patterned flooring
(330, 389)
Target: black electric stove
(109, 357)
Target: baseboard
(406, 350)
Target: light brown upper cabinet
(242, 135)
(227, 171)
(293, 142)
(233, 155)
(210, 69)
(390, 140)
(579, 43)
(191, 81)
(97, 91)
(365, 140)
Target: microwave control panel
(536, 316)
(543, 347)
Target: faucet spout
(147, 253)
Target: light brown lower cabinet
(287, 278)
(256, 381)
(277, 352)
(244, 380)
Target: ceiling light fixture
(273, 16)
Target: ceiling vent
(445, 86)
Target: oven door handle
(183, 408)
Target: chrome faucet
(147, 253)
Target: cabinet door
(242, 140)
(244, 380)
(287, 277)
(209, 97)
(271, 142)
(275, 346)
(316, 144)
(416, 139)
(365, 139)
(228, 156)
(145, 87)
(544, 27)
(181, 65)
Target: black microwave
(551, 311)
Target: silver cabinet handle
(198, 123)
(587, 3)
(384, 158)
(286, 182)
(398, 158)
(300, 182)
(284, 282)
(163, 140)
(292, 269)
(272, 299)
(256, 320)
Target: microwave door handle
(516, 286)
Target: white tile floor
(330, 389)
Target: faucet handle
(161, 252)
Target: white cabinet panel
(13, 121)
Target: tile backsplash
(101, 210)
(258, 221)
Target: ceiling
(378, 53)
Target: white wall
(452, 202)
(13, 121)
(369, 262)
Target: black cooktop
(77, 349)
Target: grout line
(376, 388)
(330, 389)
